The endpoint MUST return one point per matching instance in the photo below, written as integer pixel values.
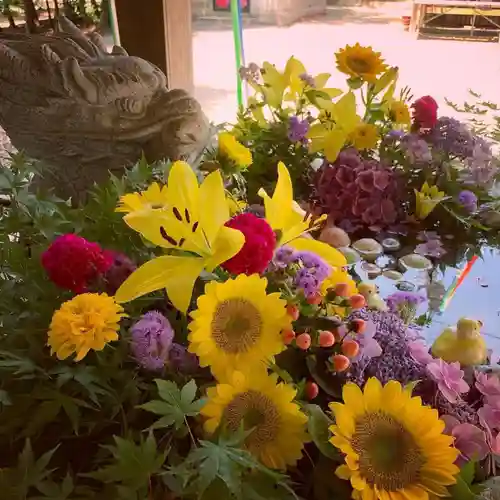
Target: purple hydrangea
(431, 248)
(152, 339)
(297, 129)
(468, 200)
(481, 167)
(416, 149)
(181, 360)
(449, 379)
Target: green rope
(112, 22)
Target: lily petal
(226, 245)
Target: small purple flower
(404, 304)
(416, 149)
(394, 135)
(308, 80)
(449, 379)
(468, 200)
(152, 338)
(432, 248)
(314, 264)
(469, 439)
(307, 281)
(297, 129)
(283, 257)
(488, 386)
(419, 351)
(181, 360)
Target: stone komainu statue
(85, 112)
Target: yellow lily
(331, 134)
(427, 199)
(283, 214)
(192, 221)
(274, 85)
(153, 197)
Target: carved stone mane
(84, 112)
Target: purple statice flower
(180, 360)
(449, 379)
(431, 248)
(308, 80)
(416, 149)
(488, 385)
(468, 200)
(469, 439)
(395, 361)
(314, 264)
(283, 257)
(404, 304)
(297, 129)
(307, 282)
(419, 351)
(452, 137)
(152, 338)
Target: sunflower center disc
(389, 457)
(256, 412)
(236, 325)
(359, 66)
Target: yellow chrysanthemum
(394, 446)
(257, 401)
(364, 136)
(234, 150)
(88, 321)
(237, 324)
(360, 62)
(400, 113)
(154, 197)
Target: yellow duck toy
(373, 299)
(463, 343)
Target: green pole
(237, 49)
(113, 22)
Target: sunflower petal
(343, 472)
(372, 393)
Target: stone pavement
(439, 67)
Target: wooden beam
(161, 33)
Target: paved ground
(442, 68)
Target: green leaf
(318, 426)
(410, 386)
(176, 405)
(461, 490)
(133, 464)
(468, 471)
(355, 83)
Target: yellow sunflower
(88, 321)
(154, 197)
(237, 324)
(360, 62)
(257, 401)
(234, 150)
(400, 113)
(364, 136)
(394, 446)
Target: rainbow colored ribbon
(239, 54)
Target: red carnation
(258, 250)
(72, 262)
(425, 112)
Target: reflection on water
(478, 297)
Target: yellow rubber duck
(463, 343)
(373, 299)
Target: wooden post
(159, 31)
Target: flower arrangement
(172, 339)
(369, 157)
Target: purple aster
(181, 360)
(314, 264)
(152, 338)
(432, 248)
(307, 281)
(283, 257)
(308, 80)
(297, 129)
(468, 200)
(449, 379)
